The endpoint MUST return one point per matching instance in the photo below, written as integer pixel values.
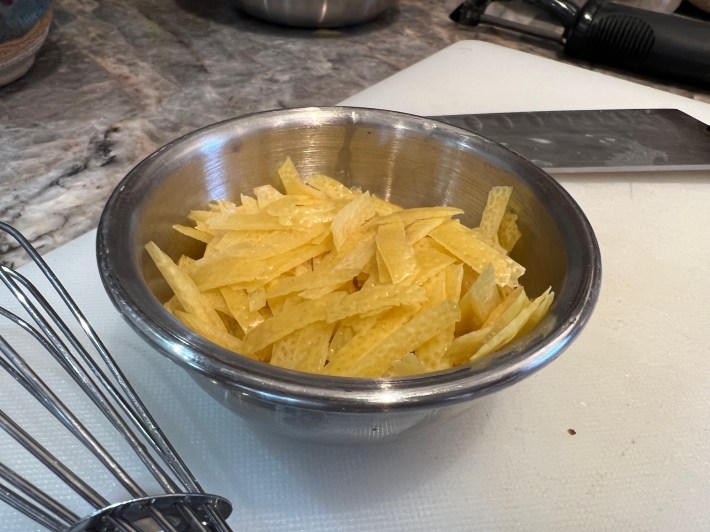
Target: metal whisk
(180, 505)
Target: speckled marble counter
(116, 79)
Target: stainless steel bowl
(410, 160)
(316, 13)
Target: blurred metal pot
(316, 13)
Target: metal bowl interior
(406, 159)
(316, 13)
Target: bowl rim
(259, 381)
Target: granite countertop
(117, 79)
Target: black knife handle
(641, 40)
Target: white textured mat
(634, 387)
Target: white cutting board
(479, 77)
(634, 386)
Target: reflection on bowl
(406, 159)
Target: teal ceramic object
(18, 16)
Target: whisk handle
(644, 41)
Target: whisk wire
(51, 462)
(135, 407)
(64, 356)
(31, 510)
(193, 508)
(19, 482)
(39, 389)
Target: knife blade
(592, 141)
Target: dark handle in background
(641, 40)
